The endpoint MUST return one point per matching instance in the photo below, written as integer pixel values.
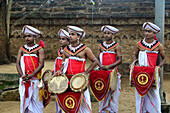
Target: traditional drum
(113, 84)
(143, 78)
(45, 78)
(58, 84)
(78, 82)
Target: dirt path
(126, 100)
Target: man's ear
(79, 36)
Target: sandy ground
(126, 100)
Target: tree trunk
(3, 33)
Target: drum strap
(38, 75)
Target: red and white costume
(111, 101)
(29, 92)
(58, 60)
(151, 101)
(57, 65)
(72, 66)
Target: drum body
(78, 82)
(46, 76)
(58, 84)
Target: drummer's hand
(159, 69)
(25, 78)
(103, 67)
(130, 65)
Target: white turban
(76, 29)
(151, 26)
(31, 30)
(64, 33)
(109, 28)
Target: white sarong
(32, 103)
(151, 101)
(111, 101)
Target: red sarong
(27, 85)
(100, 83)
(143, 78)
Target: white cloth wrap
(151, 101)
(32, 103)
(112, 97)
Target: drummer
(30, 62)
(74, 59)
(107, 53)
(151, 101)
(64, 41)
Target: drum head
(58, 84)
(114, 79)
(46, 76)
(78, 82)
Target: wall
(127, 15)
